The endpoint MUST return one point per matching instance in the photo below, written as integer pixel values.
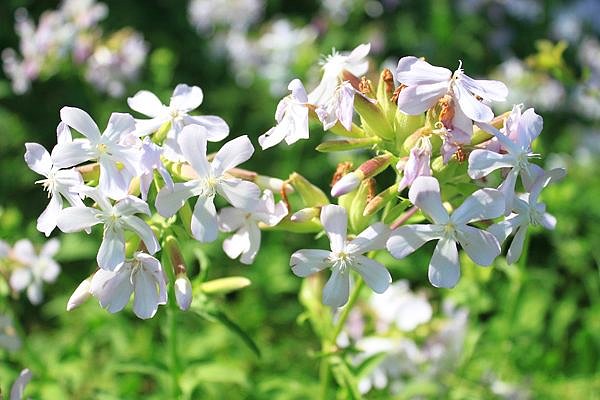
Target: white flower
(142, 275)
(58, 183)
(212, 179)
(481, 246)
(184, 99)
(417, 164)
(150, 161)
(246, 239)
(427, 84)
(35, 268)
(116, 219)
(333, 66)
(528, 212)
(344, 256)
(339, 107)
(400, 306)
(519, 131)
(291, 116)
(106, 148)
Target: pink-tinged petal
(232, 154)
(192, 143)
(237, 243)
(204, 220)
(81, 122)
(373, 237)
(38, 159)
(298, 91)
(66, 155)
(132, 205)
(444, 268)
(470, 105)
(481, 246)
(216, 128)
(516, 246)
(407, 239)
(17, 390)
(486, 89)
(309, 261)
(112, 182)
(239, 193)
(46, 222)
(186, 97)
(254, 238)
(530, 125)
(34, 293)
(75, 219)
(145, 301)
(168, 201)
(143, 231)
(484, 162)
(112, 249)
(482, 204)
(51, 271)
(335, 291)
(425, 194)
(335, 222)
(50, 248)
(414, 71)
(112, 288)
(376, 276)
(231, 219)
(20, 279)
(507, 188)
(146, 103)
(414, 100)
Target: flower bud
(368, 169)
(385, 91)
(80, 295)
(311, 194)
(348, 183)
(273, 184)
(306, 214)
(356, 217)
(373, 117)
(379, 201)
(347, 144)
(183, 292)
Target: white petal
(483, 162)
(473, 108)
(18, 388)
(529, 127)
(508, 189)
(373, 237)
(237, 243)
(20, 279)
(74, 219)
(192, 142)
(51, 271)
(216, 127)
(504, 229)
(144, 232)
(335, 291)
(147, 126)
(63, 133)
(254, 237)
(414, 100)
(38, 158)
(232, 154)
(50, 248)
(186, 97)
(298, 91)
(272, 137)
(548, 221)
(169, 201)
(406, 239)
(46, 222)
(66, 155)
(204, 220)
(24, 252)
(146, 103)
(486, 89)
(425, 194)
(376, 276)
(132, 205)
(183, 292)
(482, 204)
(145, 302)
(112, 288)
(112, 182)
(309, 261)
(119, 124)
(231, 219)
(34, 293)
(335, 222)
(112, 249)
(239, 193)
(414, 71)
(81, 122)
(481, 246)
(516, 246)
(444, 269)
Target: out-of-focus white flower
(239, 15)
(183, 292)
(18, 388)
(143, 276)
(481, 246)
(344, 256)
(116, 219)
(246, 239)
(8, 335)
(212, 178)
(34, 268)
(291, 116)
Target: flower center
(209, 186)
(102, 148)
(49, 184)
(175, 114)
(450, 230)
(342, 261)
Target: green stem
(171, 334)
(324, 373)
(346, 310)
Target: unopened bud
(80, 295)
(275, 185)
(480, 136)
(379, 201)
(311, 194)
(347, 183)
(368, 169)
(347, 144)
(356, 217)
(183, 292)
(89, 172)
(385, 91)
(306, 214)
(406, 126)
(373, 118)
(161, 133)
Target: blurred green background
(535, 325)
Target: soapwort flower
(344, 256)
(481, 246)
(142, 275)
(417, 164)
(246, 239)
(212, 178)
(116, 218)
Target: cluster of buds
(151, 184)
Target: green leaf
(224, 285)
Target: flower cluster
(151, 183)
(73, 29)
